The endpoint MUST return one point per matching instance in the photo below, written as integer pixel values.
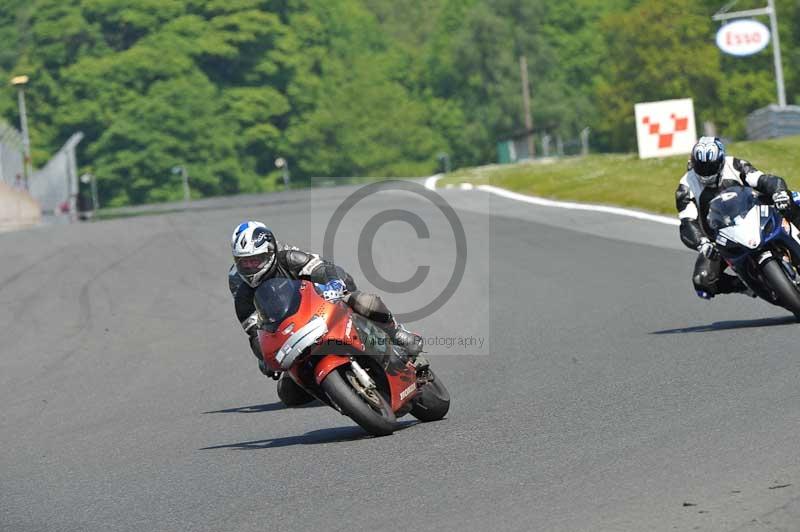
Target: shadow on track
(315, 437)
(254, 409)
(733, 324)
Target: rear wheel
(433, 402)
(786, 290)
(368, 408)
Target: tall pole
(770, 10)
(26, 139)
(19, 82)
(283, 165)
(184, 173)
(776, 49)
(526, 103)
(187, 196)
(585, 141)
(95, 200)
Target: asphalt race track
(606, 395)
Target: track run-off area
(591, 389)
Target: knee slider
(704, 282)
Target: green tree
(353, 87)
(673, 58)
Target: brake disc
(370, 395)
(790, 269)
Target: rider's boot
(372, 307)
(410, 341)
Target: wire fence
(545, 145)
(12, 160)
(55, 186)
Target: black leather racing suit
(692, 200)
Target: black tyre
(784, 288)
(376, 417)
(433, 402)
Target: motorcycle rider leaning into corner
(258, 256)
(709, 172)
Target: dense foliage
(355, 87)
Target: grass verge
(625, 180)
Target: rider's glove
(782, 200)
(333, 290)
(707, 248)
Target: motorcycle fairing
(331, 337)
(746, 232)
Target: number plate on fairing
(304, 338)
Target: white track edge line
(579, 206)
(430, 184)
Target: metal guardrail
(773, 122)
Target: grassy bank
(625, 180)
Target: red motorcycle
(343, 359)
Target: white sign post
(730, 46)
(665, 128)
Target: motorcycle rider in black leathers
(709, 172)
(258, 256)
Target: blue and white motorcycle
(758, 244)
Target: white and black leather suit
(692, 201)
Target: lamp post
(180, 169)
(283, 164)
(90, 179)
(19, 82)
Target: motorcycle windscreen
(277, 299)
(730, 204)
(734, 214)
(746, 231)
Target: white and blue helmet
(708, 160)
(254, 247)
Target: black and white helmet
(708, 160)
(254, 249)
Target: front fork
(330, 363)
(363, 377)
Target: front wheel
(433, 402)
(367, 408)
(784, 288)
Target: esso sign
(743, 37)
